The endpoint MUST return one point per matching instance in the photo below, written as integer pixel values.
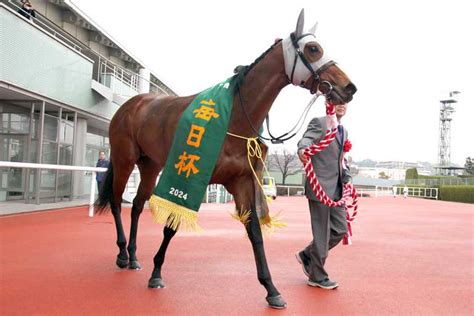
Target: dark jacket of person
(101, 164)
(27, 12)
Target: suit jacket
(327, 164)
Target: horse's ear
(313, 29)
(300, 24)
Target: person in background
(101, 163)
(27, 9)
(394, 190)
(405, 192)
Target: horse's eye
(313, 49)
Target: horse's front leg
(244, 194)
(156, 281)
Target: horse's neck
(260, 88)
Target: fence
(289, 190)
(364, 192)
(422, 192)
(215, 193)
(27, 165)
(440, 181)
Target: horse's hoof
(121, 263)
(134, 265)
(276, 302)
(156, 283)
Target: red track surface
(409, 256)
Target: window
(15, 123)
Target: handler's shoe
(304, 261)
(324, 284)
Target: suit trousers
(328, 225)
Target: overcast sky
(404, 56)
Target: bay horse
(141, 132)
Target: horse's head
(308, 66)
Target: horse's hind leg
(244, 194)
(148, 172)
(122, 169)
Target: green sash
(196, 146)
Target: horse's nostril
(350, 89)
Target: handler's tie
(340, 135)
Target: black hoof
(276, 302)
(156, 283)
(134, 265)
(121, 263)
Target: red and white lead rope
(349, 190)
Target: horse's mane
(241, 71)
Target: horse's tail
(105, 191)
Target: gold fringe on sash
(242, 216)
(267, 223)
(173, 215)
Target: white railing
(422, 192)
(27, 165)
(125, 76)
(215, 193)
(363, 192)
(297, 189)
(383, 191)
(111, 71)
(429, 193)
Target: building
(393, 170)
(61, 80)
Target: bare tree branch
(286, 162)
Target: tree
(411, 173)
(286, 162)
(469, 165)
(366, 163)
(382, 175)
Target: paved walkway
(409, 257)
(17, 207)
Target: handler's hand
(302, 156)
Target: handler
(328, 224)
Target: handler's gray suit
(328, 224)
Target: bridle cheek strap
(301, 73)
